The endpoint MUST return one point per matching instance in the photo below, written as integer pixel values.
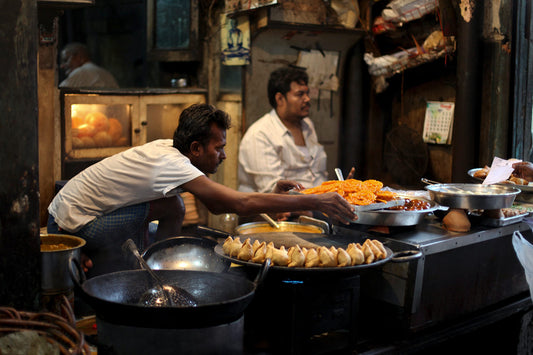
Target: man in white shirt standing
(283, 143)
(80, 71)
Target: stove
(459, 275)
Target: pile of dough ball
(296, 256)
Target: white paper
(500, 170)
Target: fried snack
(334, 251)
(311, 259)
(269, 251)
(296, 257)
(375, 250)
(343, 258)
(356, 254)
(256, 245)
(369, 255)
(381, 248)
(226, 247)
(519, 181)
(327, 259)
(280, 256)
(482, 173)
(305, 251)
(235, 247)
(246, 252)
(456, 221)
(356, 192)
(260, 254)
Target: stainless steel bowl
(396, 218)
(473, 196)
(185, 253)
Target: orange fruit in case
(86, 130)
(122, 141)
(115, 129)
(87, 142)
(98, 120)
(77, 143)
(102, 139)
(77, 121)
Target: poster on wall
(235, 40)
(244, 5)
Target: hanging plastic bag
(524, 252)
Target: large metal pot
(304, 224)
(185, 253)
(56, 252)
(222, 297)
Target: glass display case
(98, 124)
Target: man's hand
(283, 186)
(336, 207)
(86, 263)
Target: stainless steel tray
(500, 222)
(473, 196)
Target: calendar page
(438, 122)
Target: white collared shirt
(267, 153)
(89, 75)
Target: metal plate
(500, 222)
(395, 217)
(473, 196)
(321, 270)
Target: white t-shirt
(139, 174)
(267, 153)
(89, 75)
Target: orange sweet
(115, 129)
(77, 121)
(102, 139)
(98, 120)
(86, 130)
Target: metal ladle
(270, 221)
(162, 295)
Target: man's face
(69, 62)
(296, 103)
(213, 154)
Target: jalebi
(356, 192)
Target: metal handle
(262, 273)
(338, 172)
(316, 222)
(429, 182)
(76, 272)
(212, 231)
(405, 256)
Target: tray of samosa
(309, 258)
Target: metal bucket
(56, 251)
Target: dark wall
(19, 187)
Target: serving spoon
(162, 295)
(270, 221)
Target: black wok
(222, 297)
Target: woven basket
(60, 331)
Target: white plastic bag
(524, 252)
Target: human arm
(523, 170)
(222, 199)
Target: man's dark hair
(195, 125)
(281, 79)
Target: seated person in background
(116, 198)
(283, 143)
(80, 71)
